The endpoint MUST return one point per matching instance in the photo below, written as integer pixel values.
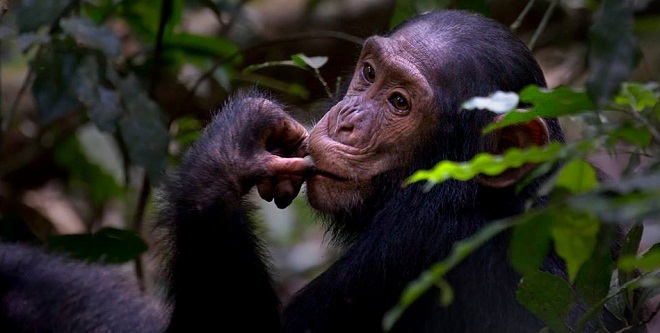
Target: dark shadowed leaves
(530, 243)
(103, 105)
(549, 297)
(91, 36)
(108, 245)
(53, 89)
(33, 14)
(142, 127)
(614, 53)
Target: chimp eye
(399, 102)
(369, 73)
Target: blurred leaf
(108, 245)
(530, 243)
(98, 185)
(547, 103)
(621, 209)
(613, 53)
(639, 136)
(99, 10)
(29, 39)
(89, 35)
(142, 127)
(208, 46)
(53, 89)
(646, 262)
(575, 237)
(549, 297)
(255, 67)
(577, 176)
(103, 105)
(638, 96)
(498, 102)
(313, 62)
(487, 164)
(593, 280)
(33, 14)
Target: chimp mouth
(313, 171)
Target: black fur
(218, 269)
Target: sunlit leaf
(498, 102)
(313, 62)
(547, 103)
(638, 96)
(577, 176)
(486, 164)
(549, 297)
(575, 237)
(646, 262)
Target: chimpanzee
(401, 112)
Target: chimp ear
(533, 133)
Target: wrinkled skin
(384, 114)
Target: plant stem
(516, 24)
(543, 24)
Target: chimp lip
(318, 172)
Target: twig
(516, 24)
(543, 24)
(235, 12)
(4, 7)
(292, 38)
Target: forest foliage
(100, 63)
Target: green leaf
(548, 297)
(194, 44)
(498, 102)
(638, 96)
(108, 245)
(103, 105)
(547, 103)
(89, 35)
(593, 280)
(33, 14)
(530, 243)
(98, 185)
(575, 237)
(53, 89)
(639, 136)
(313, 62)
(613, 51)
(577, 176)
(486, 164)
(646, 262)
(434, 275)
(142, 127)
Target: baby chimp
(401, 113)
